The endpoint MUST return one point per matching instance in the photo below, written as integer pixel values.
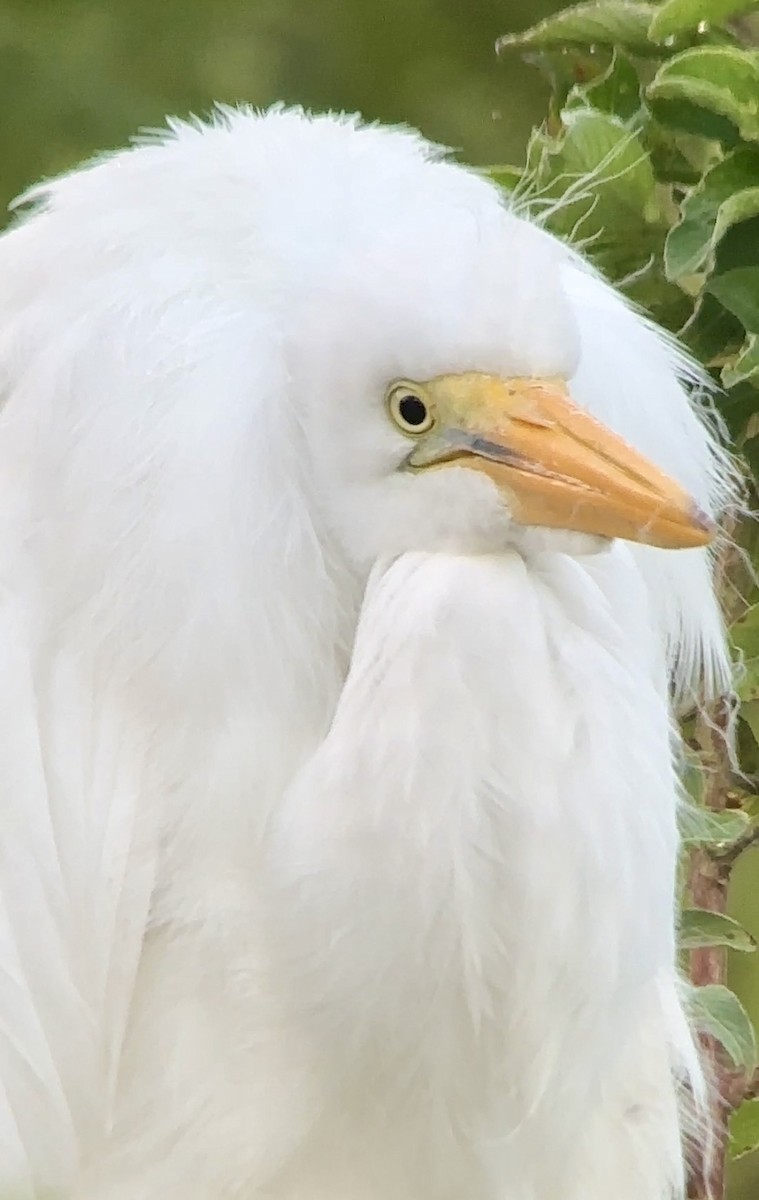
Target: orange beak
(555, 464)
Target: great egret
(338, 834)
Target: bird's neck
(492, 810)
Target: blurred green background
(79, 76)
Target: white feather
(337, 863)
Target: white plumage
(338, 807)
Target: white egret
(338, 834)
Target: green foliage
(702, 927)
(649, 159)
(744, 1129)
(716, 830)
(608, 23)
(681, 16)
(725, 196)
(718, 1012)
(81, 76)
(721, 80)
(745, 637)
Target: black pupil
(413, 410)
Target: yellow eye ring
(409, 410)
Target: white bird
(336, 746)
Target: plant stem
(709, 879)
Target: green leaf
(718, 1012)
(744, 635)
(599, 145)
(727, 194)
(750, 448)
(749, 712)
(749, 802)
(702, 827)
(594, 183)
(665, 301)
(739, 292)
(616, 92)
(738, 407)
(712, 330)
(564, 68)
(681, 16)
(505, 176)
(670, 162)
(692, 776)
(738, 246)
(746, 365)
(700, 927)
(606, 23)
(683, 116)
(735, 209)
(744, 632)
(744, 1129)
(722, 79)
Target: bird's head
(397, 346)
(431, 348)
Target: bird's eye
(409, 411)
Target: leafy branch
(649, 158)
